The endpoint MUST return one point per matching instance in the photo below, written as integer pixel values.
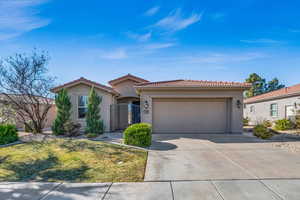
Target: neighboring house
(5, 102)
(279, 104)
(177, 106)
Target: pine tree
(63, 105)
(94, 124)
(258, 85)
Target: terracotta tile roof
(194, 83)
(284, 92)
(127, 77)
(85, 81)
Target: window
(289, 111)
(82, 106)
(251, 108)
(274, 110)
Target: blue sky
(157, 40)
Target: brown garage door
(189, 115)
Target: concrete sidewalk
(279, 189)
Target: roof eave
(57, 89)
(272, 98)
(190, 87)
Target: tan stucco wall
(126, 89)
(83, 90)
(235, 116)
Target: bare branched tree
(25, 83)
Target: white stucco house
(279, 104)
(176, 106)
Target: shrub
(262, 132)
(138, 135)
(297, 122)
(28, 127)
(297, 119)
(63, 104)
(72, 129)
(246, 121)
(91, 135)
(94, 124)
(267, 123)
(283, 124)
(8, 134)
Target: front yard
(66, 160)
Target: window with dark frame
(82, 106)
(274, 110)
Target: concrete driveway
(218, 157)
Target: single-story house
(278, 104)
(176, 106)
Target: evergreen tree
(94, 124)
(274, 85)
(63, 105)
(258, 85)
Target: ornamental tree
(63, 104)
(94, 124)
(25, 85)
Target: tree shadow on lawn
(96, 147)
(47, 169)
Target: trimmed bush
(262, 132)
(138, 135)
(91, 135)
(246, 121)
(8, 134)
(283, 124)
(297, 122)
(72, 129)
(267, 123)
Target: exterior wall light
(146, 107)
(238, 103)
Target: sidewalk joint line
(217, 190)
(106, 191)
(270, 189)
(51, 190)
(172, 191)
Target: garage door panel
(189, 115)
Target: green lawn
(71, 161)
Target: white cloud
(140, 37)
(18, 17)
(262, 41)
(116, 54)
(159, 46)
(152, 11)
(175, 21)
